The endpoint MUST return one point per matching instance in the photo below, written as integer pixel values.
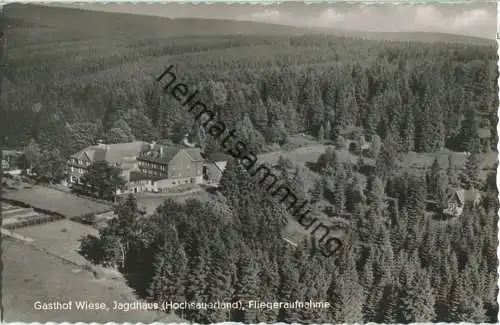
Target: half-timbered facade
(459, 198)
(121, 155)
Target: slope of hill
(105, 24)
(418, 37)
(73, 61)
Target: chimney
(101, 144)
(161, 150)
(152, 145)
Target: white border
(498, 159)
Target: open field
(300, 140)
(150, 202)
(30, 275)
(416, 160)
(419, 162)
(60, 238)
(412, 161)
(49, 199)
(310, 154)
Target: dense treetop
(298, 81)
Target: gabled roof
(112, 153)
(194, 153)
(471, 195)
(465, 196)
(91, 153)
(161, 153)
(221, 165)
(213, 167)
(116, 152)
(217, 157)
(166, 153)
(96, 154)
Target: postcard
(249, 163)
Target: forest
(83, 90)
(399, 265)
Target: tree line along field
(270, 84)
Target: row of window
(153, 172)
(79, 162)
(150, 165)
(76, 169)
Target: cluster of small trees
(46, 166)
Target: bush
(341, 143)
(92, 249)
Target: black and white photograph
(249, 163)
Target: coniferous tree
(317, 192)
(469, 134)
(409, 133)
(289, 291)
(327, 159)
(451, 172)
(387, 160)
(328, 130)
(32, 154)
(375, 146)
(470, 174)
(321, 133)
(464, 305)
(170, 269)
(268, 290)
(248, 134)
(376, 194)
(339, 197)
(277, 133)
(218, 277)
(416, 301)
(346, 294)
(247, 285)
(196, 277)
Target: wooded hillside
(73, 77)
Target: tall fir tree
(470, 174)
